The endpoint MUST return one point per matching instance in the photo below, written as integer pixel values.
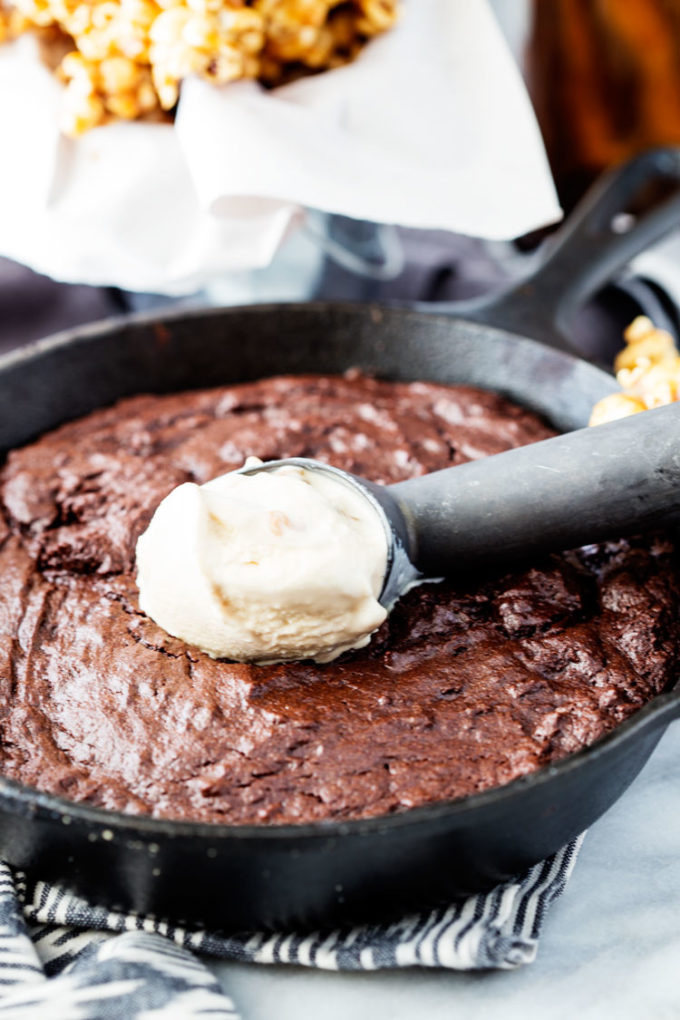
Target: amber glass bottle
(604, 76)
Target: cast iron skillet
(249, 877)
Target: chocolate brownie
(467, 685)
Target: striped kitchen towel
(71, 959)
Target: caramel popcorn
(12, 23)
(648, 371)
(616, 405)
(128, 58)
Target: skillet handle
(585, 253)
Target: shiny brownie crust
(467, 685)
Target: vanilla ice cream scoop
(294, 559)
(265, 567)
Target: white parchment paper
(430, 127)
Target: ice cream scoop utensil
(581, 487)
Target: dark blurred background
(604, 78)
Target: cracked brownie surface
(467, 685)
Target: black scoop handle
(586, 486)
(586, 252)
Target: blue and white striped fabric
(76, 961)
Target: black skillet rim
(28, 800)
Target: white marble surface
(610, 948)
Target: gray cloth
(61, 956)
(407, 265)
(33, 306)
